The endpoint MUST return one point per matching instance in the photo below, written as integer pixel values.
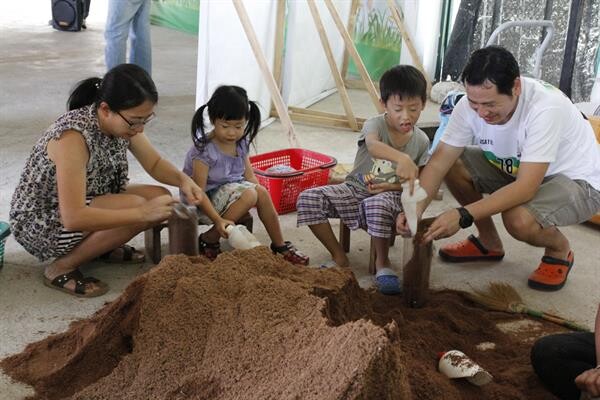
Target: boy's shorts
(559, 201)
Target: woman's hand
(158, 209)
(221, 224)
(193, 193)
(589, 382)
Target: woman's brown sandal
(81, 289)
(207, 249)
(290, 253)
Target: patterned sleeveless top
(34, 212)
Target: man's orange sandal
(552, 273)
(469, 249)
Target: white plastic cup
(455, 364)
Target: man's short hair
(404, 81)
(494, 64)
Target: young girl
(73, 202)
(218, 162)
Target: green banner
(377, 39)
(181, 15)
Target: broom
(503, 297)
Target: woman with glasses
(74, 202)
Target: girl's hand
(221, 224)
(193, 193)
(158, 209)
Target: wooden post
(354, 54)
(339, 82)
(407, 40)
(351, 26)
(267, 75)
(279, 44)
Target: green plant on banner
(377, 41)
(176, 14)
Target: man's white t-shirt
(546, 127)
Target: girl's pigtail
(198, 134)
(85, 93)
(253, 123)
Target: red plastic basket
(312, 170)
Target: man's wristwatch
(466, 219)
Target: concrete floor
(38, 67)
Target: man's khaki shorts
(559, 201)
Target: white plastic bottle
(240, 238)
(409, 203)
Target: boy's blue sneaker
(387, 282)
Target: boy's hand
(221, 224)
(375, 188)
(407, 170)
(589, 382)
(402, 225)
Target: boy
(365, 201)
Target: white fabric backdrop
(224, 53)
(225, 56)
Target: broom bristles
(498, 296)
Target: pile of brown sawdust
(251, 326)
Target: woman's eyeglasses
(137, 124)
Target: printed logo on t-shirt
(509, 165)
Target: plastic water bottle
(409, 203)
(240, 238)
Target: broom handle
(557, 320)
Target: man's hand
(589, 382)
(445, 225)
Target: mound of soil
(252, 326)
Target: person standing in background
(128, 18)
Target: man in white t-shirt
(534, 153)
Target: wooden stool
(152, 237)
(344, 238)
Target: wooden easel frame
(287, 114)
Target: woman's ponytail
(85, 93)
